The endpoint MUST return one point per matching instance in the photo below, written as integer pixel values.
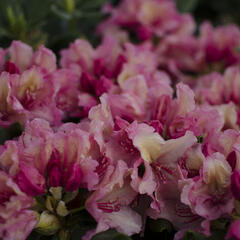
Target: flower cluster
(148, 130)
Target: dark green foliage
(186, 5)
(217, 11)
(54, 23)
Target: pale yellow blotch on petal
(30, 81)
(127, 73)
(4, 92)
(217, 173)
(150, 145)
(195, 158)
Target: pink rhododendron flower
(208, 195)
(147, 18)
(25, 97)
(110, 203)
(220, 43)
(81, 54)
(22, 57)
(179, 54)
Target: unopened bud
(73, 177)
(62, 209)
(56, 192)
(48, 224)
(50, 203)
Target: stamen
(126, 143)
(102, 167)
(110, 206)
(184, 211)
(162, 172)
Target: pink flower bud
(72, 177)
(235, 184)
(213, 54)
(119, 64)
(98, 67)
(103, 85)
(157, 126)
(31, 181)
(54, 172)
(108, 73)
(120, 123)
(87, 82)
(11, 68)
(144, 33)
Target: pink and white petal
(19, 226)
(45, 59)
(9, 158)
(145, 184)
(185, 99)
(20, 54)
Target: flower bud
(87, 83)
(11, 68)
(50, 203)
(31, 181)
(73, 177)
(48, 224)
(103, 85)
(54, 173)
(56, 192)
(62, 209)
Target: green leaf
(218, 235)
(186, 5)
(79, 224)
(36, 236)
(160, 225)
(15, 130)
(200, 139)
(215, 235)
(60, 13)
(110, 235)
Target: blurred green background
(55, 23)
